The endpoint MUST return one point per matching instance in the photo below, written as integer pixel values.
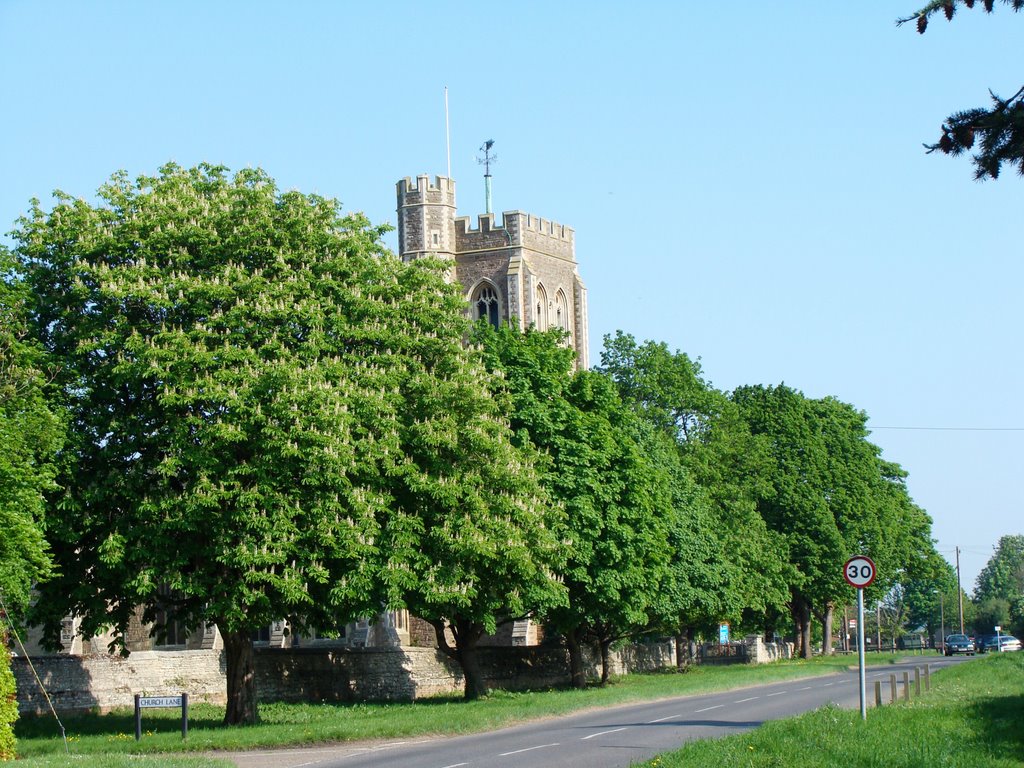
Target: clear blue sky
(746, 180)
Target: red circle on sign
(859, 571)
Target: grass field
(110, 735)
(972, 718)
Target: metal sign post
(859, 572)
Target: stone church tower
(522, 272)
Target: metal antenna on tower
(486, 161)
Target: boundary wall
(103, 682)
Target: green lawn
(973, 717)
(300, 724)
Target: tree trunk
(605, 646)
(241, 678)
(801, 611)
(681, 647)
(577, 673)
(467, 635)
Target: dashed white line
(708, 709)
(663, 719)
(805, 688)
(741, 701)
(826, 685)
(528, 749)
(602, 733)
(454, 765)
(778, 693)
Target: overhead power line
(956, 429)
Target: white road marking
(663, 719)
(528, 749)
(707, 709)
(602, 733)
(454, 765)
(805, 688)
(779, 693)
(741, 701)
(826, 685)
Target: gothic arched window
(561, 311)
(541, 318)
(485, 306)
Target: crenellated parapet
(440, 191)
(518, 230)
(426, 211)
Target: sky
(746, 181)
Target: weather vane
(486, 161)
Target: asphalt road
(605, 738)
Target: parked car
(991, 643)
(959, 644)
(1008, 643)
(985, 643)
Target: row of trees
(934, 604)
(999, 594)
(270, 416)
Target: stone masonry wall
(102, 682)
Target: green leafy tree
(990, 613)
(8, 701)
(29, 435)
(241, 368)
(1003, 574)
(698, 590)
(473, 542)
(1003, 578)
(931, 598)
(831, 497)
(997, 132)
(598, 466)
(729, 466)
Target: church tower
(521, 272)
(426, 218)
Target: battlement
(517, 230)
(516, 221)
(442, 189)
(543, 226)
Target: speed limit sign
(859, 571)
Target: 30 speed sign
(859, 571)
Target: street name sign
(154, 702)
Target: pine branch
(999, 131)
(948, 9)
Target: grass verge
(304, 724)
(971, 718)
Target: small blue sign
(723, 633)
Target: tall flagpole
(447, 133)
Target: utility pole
(942, 621)
(959, 591)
